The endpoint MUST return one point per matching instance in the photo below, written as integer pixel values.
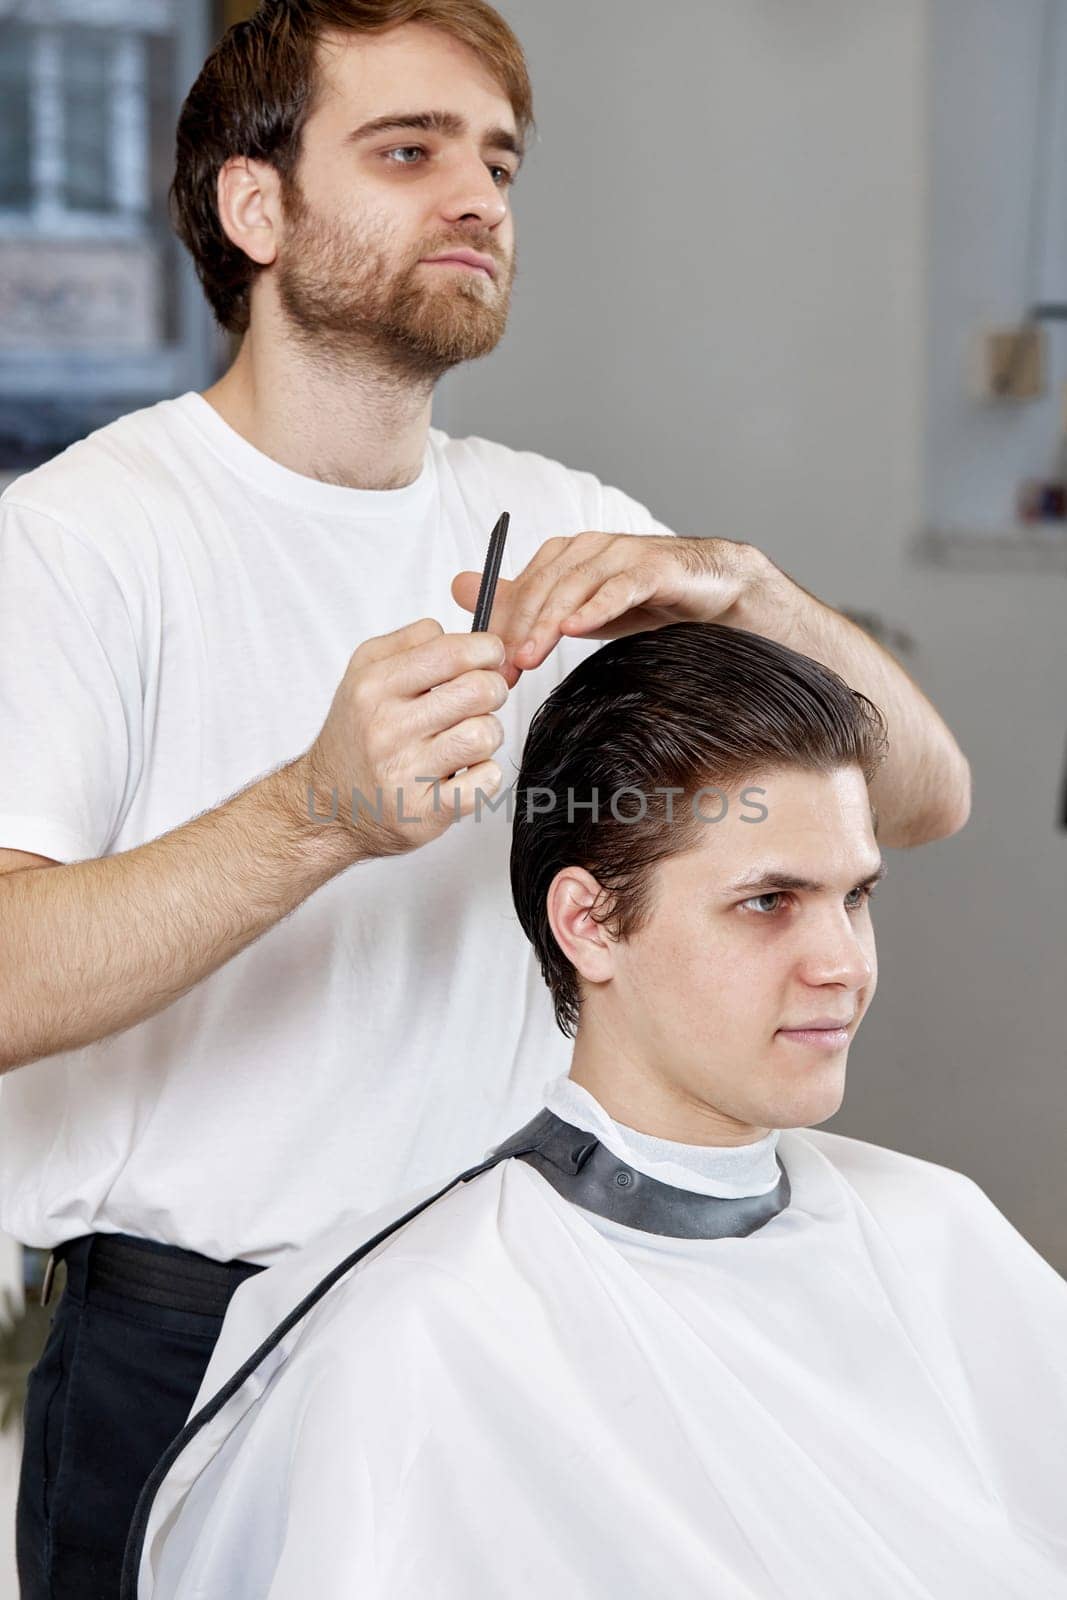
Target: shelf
(1024, 547)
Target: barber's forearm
(923, 789)
(91, 948)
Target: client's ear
(573, 895)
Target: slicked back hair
(685, 707)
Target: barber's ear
(250, 209)
(586, 942)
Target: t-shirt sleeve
(70, 691)
(621, 513)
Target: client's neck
(747, 1168)
(646, 1099)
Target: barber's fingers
(468, 744)
(381, 647)
(472, 694)
(421, 662)
(412, 710)
(468, 791)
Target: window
(76, 107)
(15, 119)
(99, 309)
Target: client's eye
(865, 892)
(779, 894)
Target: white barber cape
(863, 1399)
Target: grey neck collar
(583, 1171)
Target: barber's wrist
(767, 604)
(315, 822)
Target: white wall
(724, 305)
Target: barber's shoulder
(557, 498)
(106, 478)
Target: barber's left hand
(605, 585)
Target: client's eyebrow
(770, 880)
(448, 123)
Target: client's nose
(837, 954)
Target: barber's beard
(345, 302)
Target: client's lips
(824, 1033)
(819, 1022)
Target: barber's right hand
(413, 706)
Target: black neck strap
(583, 1171)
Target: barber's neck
(353, 420)
(648, 1097)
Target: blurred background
(790, 271)
(97, 314)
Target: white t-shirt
(176, 612)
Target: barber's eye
(507, 176)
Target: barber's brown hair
(255, 92)
(681, 708)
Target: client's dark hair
(690, 706)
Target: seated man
(667, 1341)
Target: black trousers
(127, 1348)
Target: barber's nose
(473, 193)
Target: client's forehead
(813, 829)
